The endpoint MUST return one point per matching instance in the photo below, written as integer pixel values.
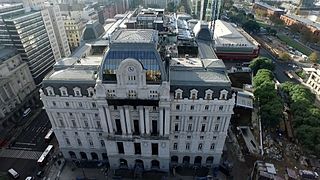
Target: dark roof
(6, 53)
(93, 30)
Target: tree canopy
(261, 63)
(269, 101)
(313, 57)
(284, 56)
(306, 117)
(251, 26)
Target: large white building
(136, 109)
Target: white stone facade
(314, 82)
(16, 83)
(132, 113)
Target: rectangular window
(120, 147)
(201, 137)
(86, 125)
(200, 147)
(94, 105)
(80, 104)
(206, 107)
(203, 127)
(177, 117)
(98, 125)
(102, 143)
(188, 137)
(54, 103)
(177, 107)
(190, 118)
(79, 142)
(216, 127)
(189, 127)
(204, 118)
(212, 146)
(176, 127)
(67, 104)
(73, 123)
(154, 148)
(67, 141)
(220, 108)
(61, 122)
(90, 142)
(175, 146)
(192, 107)
(187, 146)
(137, 148)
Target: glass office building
(27, 33)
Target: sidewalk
(70, 172)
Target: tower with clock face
(133, 101)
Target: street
(32, 137)
(27, 147)
(281, 67)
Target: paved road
(281, 67)
(24, 167)
(32, 137)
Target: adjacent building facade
(74, 28)
(303, 23)
(264, 8)
(137, 109)
(27, 33)
(16, 82)
(313, 81)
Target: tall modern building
(210, 9)
(27, 33)
(139, 110)
(58, 28)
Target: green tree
(284, 56)
(261, 63)
(251, 26)
(313, 57)
(262, 76)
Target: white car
(26, 112)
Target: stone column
(103, 119)
(141, 120)
(146, 116)
(128, 120)
(122, 121)
(108, 119)
(167, 121)
(161, 121)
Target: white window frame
(77, 92)
(209, 94)
(50, 91)
(63, 91)
(223, 94)
(178, 94)
(194, 94)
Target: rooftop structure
(233, 43)
(303, 20)
(139, 106)
(93, 30)
(267, 9)
(267, 6)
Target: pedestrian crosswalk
(20, 154)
